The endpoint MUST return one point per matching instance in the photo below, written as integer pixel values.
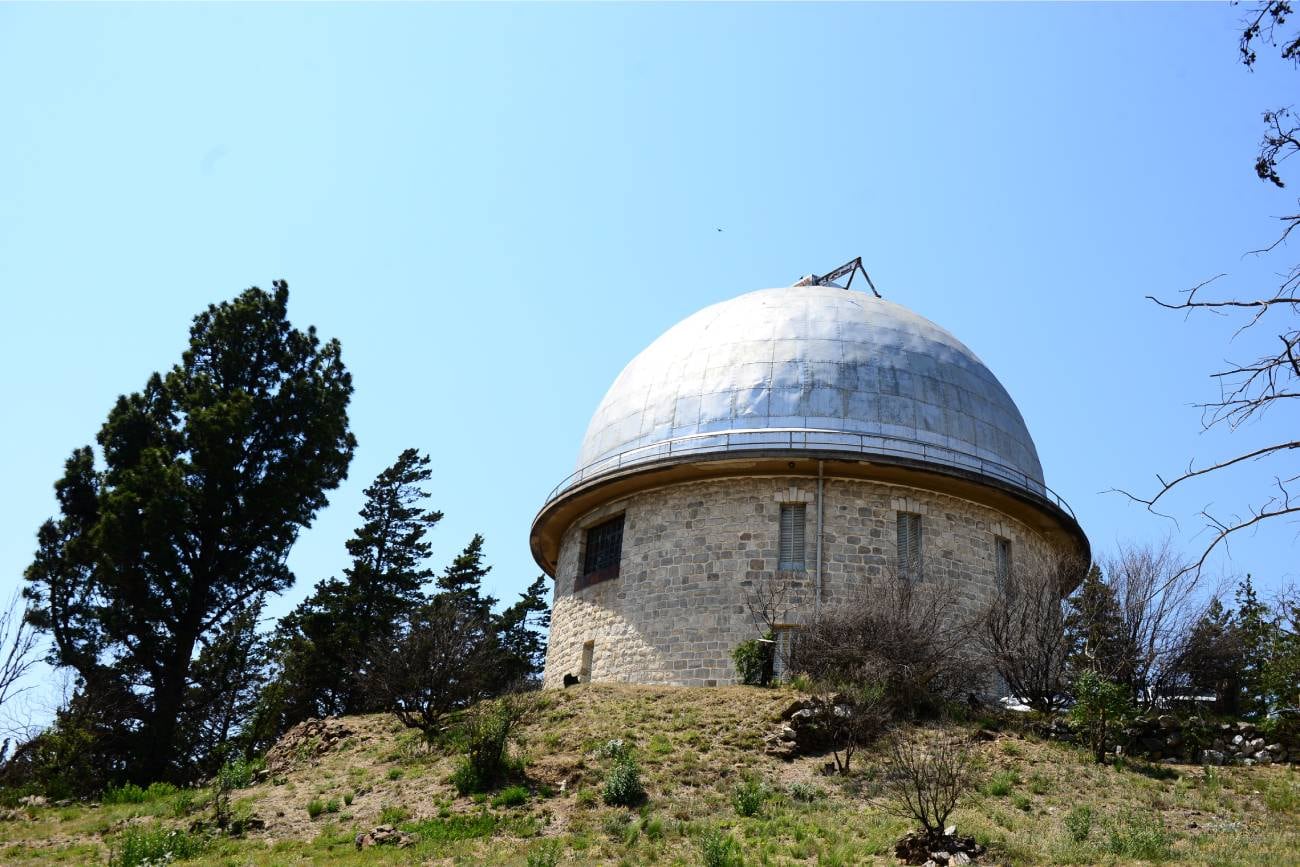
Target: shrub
(748, 796)
(718, 849)
(927, 777)
(586, 798)
(184, 804)
(133, 794)
(487, 733)
(462, 826)
(511, 797)
(240, 773)
(545, 854)
(623, 784)
(907, 637)
(1022, 802)
(394, 773)
(852, 715)
(315, 807)
(615, 749)
(391, 815)
(1100, 708)
(753, 662)
(1078, 823)
(805, 792)
(999, 785)
(1282, 797)
(142, 846)
(619, 827)
(332, 805)
(347, 799)
(1139, 837)
(127, 794)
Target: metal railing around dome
(812, 439)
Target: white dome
(812, 370)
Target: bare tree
(927, 775)
(1248, 389)
(770, 602)
(851, 716)
(1159, 606)
(911, 638)
(1022, 630)
(19, 646)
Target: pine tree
(328, 642)
(1098, 640)
(462, 581)
(521, 633)
(1258, 630)
(1212, 660)
(208, 476)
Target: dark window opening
(909, 546)
(1003, 570)
(603, 552)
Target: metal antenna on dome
(851, 268)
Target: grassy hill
(694, 746)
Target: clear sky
(495, 207)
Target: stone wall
(692, 552)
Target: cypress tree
(208, 475)
(328, 642)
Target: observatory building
(815, 435)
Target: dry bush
(927, 775)
(1022, 631)
(852, 716)
(1160, 603)
(908, 638)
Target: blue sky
(495, 207)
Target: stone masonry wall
(691, 552)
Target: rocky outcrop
(384, 835)
(803, 730)
(305, 743)
(943, 850)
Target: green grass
(698, 747)
(154, 844)
(465, 826)
(514, 796)
(1000, 784)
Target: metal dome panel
(810, 369)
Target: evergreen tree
(1270, 668)
(1098, 639)
(1212, 660)
(521, 633)
(228, 677)
(209, 474)
(462, 581)
(328, 642)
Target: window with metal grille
(603, 552)
(909, 546)
(791, 554)
(1003, 569)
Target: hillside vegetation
(713, 797)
